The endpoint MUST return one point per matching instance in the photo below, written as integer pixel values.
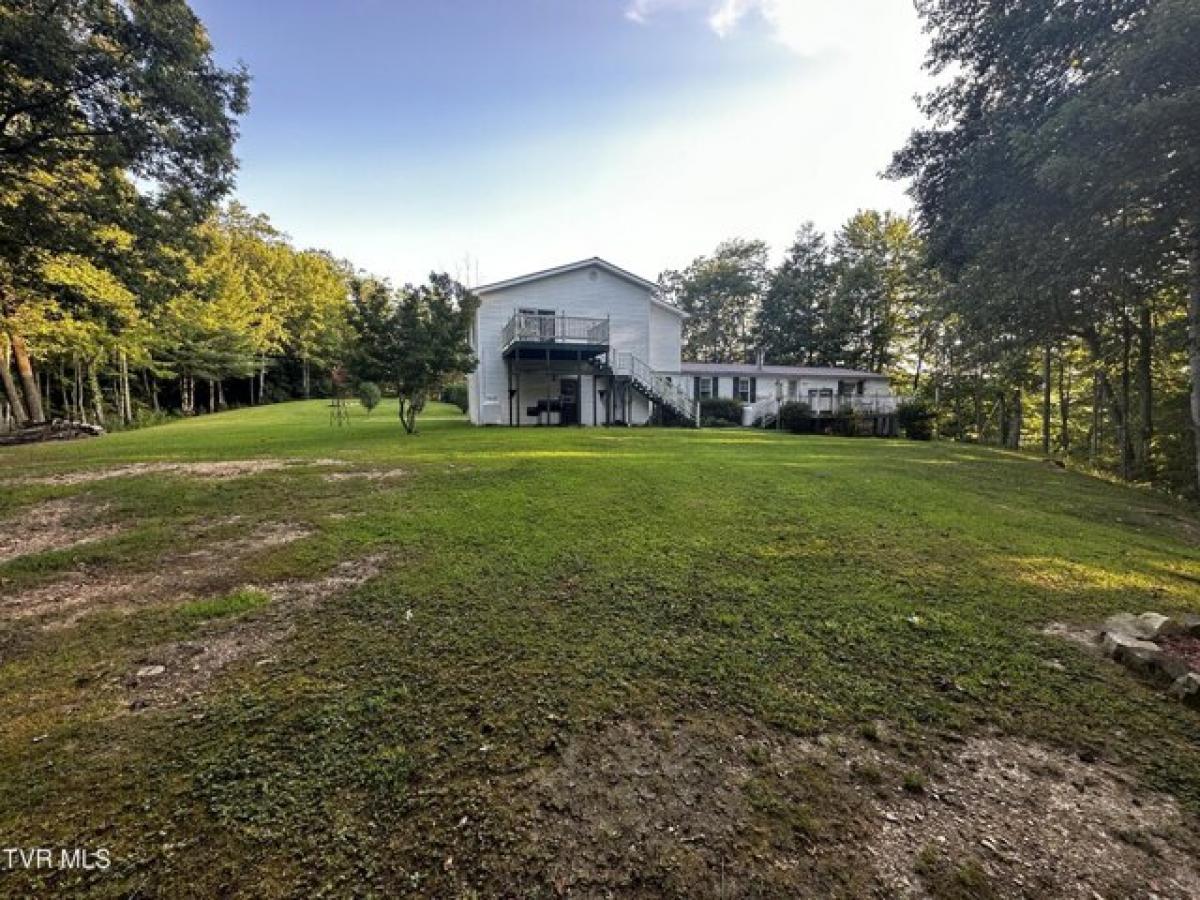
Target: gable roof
(746, 369)
(593, 262)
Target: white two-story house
(591, 344)
(582, 344)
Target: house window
(821, 401)
(741, 389)
(706, 388)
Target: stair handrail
(669, 392)
(761, 409)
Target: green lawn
(534, 590)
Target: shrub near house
(720, 412)
(916, 418)
(796, 416)
(456, 395)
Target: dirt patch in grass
(178, 672)
(1025, 820)
(366, 475)
(52, 525)
(205, 470)
(180, 576)
(1085, 636)
(708, 808)
(689, 808)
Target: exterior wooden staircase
(654, 386)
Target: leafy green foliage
(721, 295)
(721, 411)
(129, 85)
(415, 339)
(917, 419)
(433, 322)
(99, 99)
(372, 318)
(1057, 191)
(456, 395)
(796, 416)
(369, 395)
(794, 308)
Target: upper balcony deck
(559, 337)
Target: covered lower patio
(560, 388)
(558, 374)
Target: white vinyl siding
(590, 292)
(665, 343)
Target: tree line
(127, 287)
(859, 300)
(1057, 190)
(1045, 293)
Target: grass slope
(541, 583)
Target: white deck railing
(844, 404)
(534, 328)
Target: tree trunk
(1097, 422)
(1120, 417)
(937, 403)
(1064, 405)
(150, 382)
(978, 406)
(77, 393)
(1125, 434)
(1046, 376)
(307, 381)
(1018, 411)
(29, 385)
(262, 379)
(1145, 384)
(126, 403)
(1002, 418)
(15, 402)
(97, 396)
(1194, 340)
(62, 387)
(221, 395)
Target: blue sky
(495, 138)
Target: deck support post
(517, 371)
(578, 389)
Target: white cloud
(807, 27)
(653, 184)
(726, 16)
